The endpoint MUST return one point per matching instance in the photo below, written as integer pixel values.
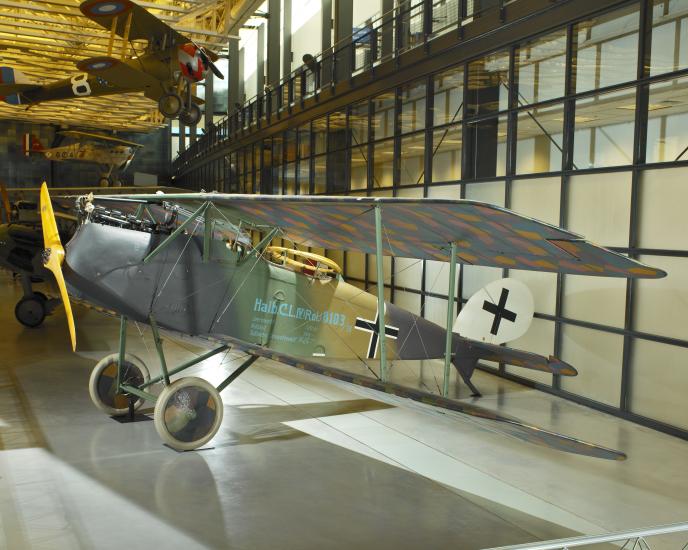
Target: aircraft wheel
(104, 182)
(188, 413)
(102, 385)
(191, 115)
(170, 105)
(30, 311)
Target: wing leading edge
(421, 228)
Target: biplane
(112, 154)
(165, 72)
(204, 265)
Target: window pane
(337, 134)
(359, 167)
(303, 187)
(667, 125)
(383, 171)
(599, 207)
(488, 82)
(604, 130)
(290, 145)
(446, 154)
(304, 141)
(607, 49)
(486, 148)
(448, 100)
(413, 107)
(320, 135)
(597, 357)
(383, 119)
(320, 174)
(412, 159)
(540, 139)
(663, 198)
(358, 122)
(669, 36)
(290, 179)
(662, 308)
(660, 382)
(541, 67)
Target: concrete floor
(302, 461)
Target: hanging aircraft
(198, 273)
(166, 72)
(112, 154)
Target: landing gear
(188, 413)
(104, 182)
(102, 386)
(30, 311)
(191, 115)
(170, 105)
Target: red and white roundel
(190, 62)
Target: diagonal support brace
(232, 377)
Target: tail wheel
(170, 105)
(191, 115)
(30, 311)
(188, 413)
(102, 386)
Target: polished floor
(302, 461)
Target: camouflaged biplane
(165, 73)
(190, 264)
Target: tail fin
(12, 83)
(31, 144)
(500, 312)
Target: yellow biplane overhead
(165, 72)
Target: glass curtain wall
(586, 127)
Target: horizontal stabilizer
(468, 352)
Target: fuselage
(152, 73)
(115, 155)
(239, 295)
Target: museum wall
(16, 170)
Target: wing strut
(380, 291)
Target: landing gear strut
(188, 412)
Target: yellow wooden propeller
(54, 255)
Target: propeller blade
(53, 256)
(5, 203)
(207, 56)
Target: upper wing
(144, 25)
(78, 134)
(421, 228)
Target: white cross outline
(390, 332)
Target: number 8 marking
(80, 85)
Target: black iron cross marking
(499, 311)
(373, 328)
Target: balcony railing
(407, 26)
